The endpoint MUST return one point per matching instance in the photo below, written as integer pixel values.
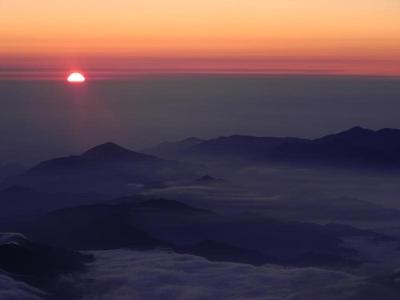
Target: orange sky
(261, 36)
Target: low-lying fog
(322, 195)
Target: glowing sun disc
(76, 77)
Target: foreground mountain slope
(36, 263)
(167, 223)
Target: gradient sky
(227, 36)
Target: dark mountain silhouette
(356, 147)
(89, 227)
(167, 223)
(19, 202)
(36, 263)
(105, 154)
(107, 167)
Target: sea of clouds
(126, 274)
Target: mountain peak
(107, 149)
(111, 151)
(108, 146)
(354, 132)
(359, 129)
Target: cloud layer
(126, 274)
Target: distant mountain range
(356, 147)
(113, 169)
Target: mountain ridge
(356, 146)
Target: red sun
(76, 77)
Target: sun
(76, 77)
